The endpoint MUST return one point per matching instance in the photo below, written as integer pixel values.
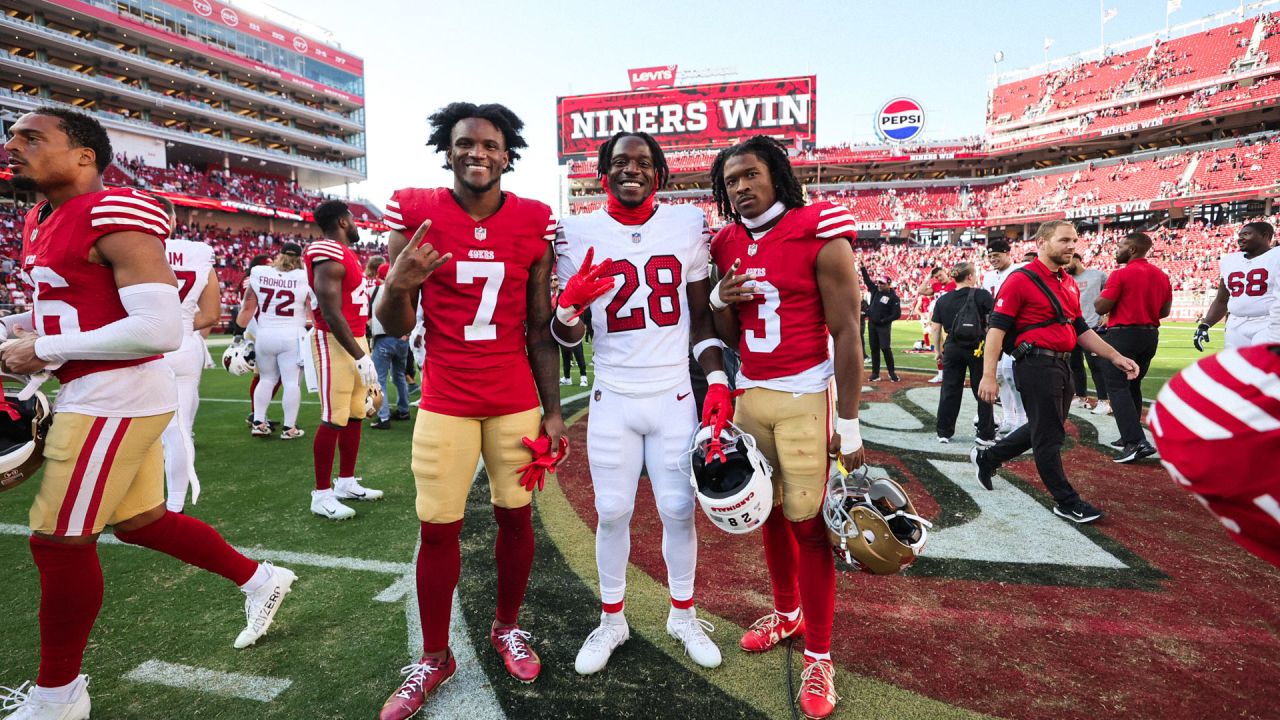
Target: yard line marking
(236, 685)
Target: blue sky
(422, 55)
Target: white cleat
(685, 626)
(260, 606)
(601, 643)
(582, 381)
(566, 381)
(325, 504)
(23, 700)
(351, 489)
(1102, 408)
(936, 378)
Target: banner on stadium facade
(692, 116)
(652, 78)
(1123, 208)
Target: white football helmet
(872, 523)
(735, 492)
(372, 401)
(240, 357)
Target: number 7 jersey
(476, 304)
(191, 262)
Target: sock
(439, 565)
(677, 613)
(62, 694)
(513, 553)
(323, 450)
(780, 557)
(194, 543)
(817, 579)
(788, 616)
(681, 604)
(611, 607)
(349, 448)
(260, 578)
(814, 657)
(70, 598)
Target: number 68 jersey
(1250, 282)
(641, 326)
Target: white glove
(368, 375)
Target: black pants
(955, 360)
(1081, 357)
(1077, 372)
(1096, 368)
(1139, 345)
(567, 355)
(880, 342)
(1046, 386)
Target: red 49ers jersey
(784, 333)
(72, 294)
(355, 294)
(1217, 426)
(475, 305)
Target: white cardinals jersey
(1251, 283)
(641, 326)
(191, 262)
(283, 297)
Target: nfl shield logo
(597, 396)
(635, 237)
(481, 233)
(751, 249)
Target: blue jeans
(391, 354)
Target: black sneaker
(894, 378)
(984, 471)
(1146, 450)
(1078, 512)
(1129, 453)
(1118, 444)
(381, 425)
(398, 415)
(873, 378)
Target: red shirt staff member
(1042, 354)
(1135, 298)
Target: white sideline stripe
(236, 685)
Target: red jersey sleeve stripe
(1244, 371)
(1229, 400)
(1173, 405)
(114, 211)
(124, 224)
(837, 232)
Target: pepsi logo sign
(203, 7)
(299, 44)
(230, 17)
(900, 120)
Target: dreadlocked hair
(507, 122)
(774, 155)
(605, 158)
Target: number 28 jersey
(641, 326)
(282, 297)
(476, 304)
(1251, 282)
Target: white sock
(682, 613)
(788, 616)
(346, 479)
(327, 492)
(818, 656)
(260, 578)
(61, 695)
(608, 618)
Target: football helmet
(25, 416)
(871, 522)
(372, 401)
(732, 479)
(239, 357)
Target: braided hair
(508, 123)
(605, 157)
(774, 156)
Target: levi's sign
(692, 117)
(662, 76)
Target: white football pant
(187, 363)
(1245, 331)
(624, 435)
(277, 358)
(1010, 399)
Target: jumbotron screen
(692, 116)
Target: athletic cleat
(23, 700)
(512, 644)
(325, 504)
(582, 381)
(260, 429)
(423, 677)
(601, 643)
(260, 606)
(290, 433)
(765, 633)
(566, 381)
(688, 628)
(936, 378)
(817, 689)
(351, 489)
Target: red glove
(717, 411)
(582, 289)
(533, 474)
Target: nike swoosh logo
(681, 397)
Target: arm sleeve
(566, 265)
(866, 278)
(1000, 321)
(11, 324)
(1080, 326)
(153, 325)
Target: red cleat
(424, 676)
(512, 644)
(770, 630)
(818, 689)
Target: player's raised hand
(417, 262)
(584, 288)
(735, 288)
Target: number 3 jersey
(475, 305)
(1251, 282)
(641, 326)
(191, 262)
(282, 298)
(784, 343)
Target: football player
(340, 350)
(278, 300)
(1014, 415)
(105, 309)
(648, 296)
(787, 297)
(192, 263)
(1217, 427)
(1250, 281)
(481, 259)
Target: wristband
(716, 303)
(850, 436)
(568, 316)
(705, 345)
(717, 377)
